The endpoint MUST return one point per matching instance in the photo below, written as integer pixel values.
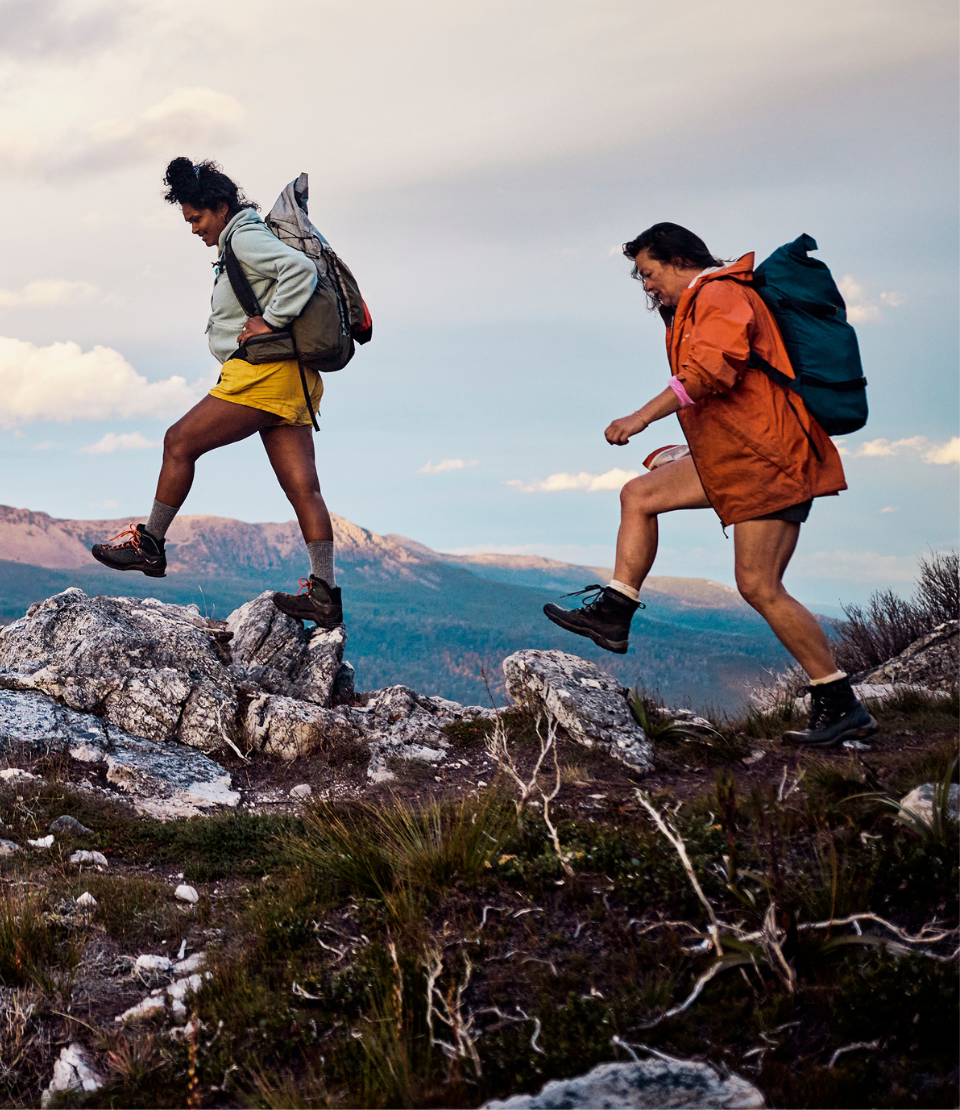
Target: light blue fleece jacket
(282, 278)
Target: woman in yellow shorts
(267, 397)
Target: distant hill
(431, 620)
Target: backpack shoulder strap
(240, 283)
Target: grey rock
(73, 1071)
(153, 669)
(588, 704)
(164, 780)
(399, 723)
(68, 824)
(8, 848)
(659, 1083)
(290, 728)
(302, 790)
(344, 685)
(30, 722)
(920, 801)
(276, 653)
(186, 893)
(98, 859)
(168, 780)
(932, 661)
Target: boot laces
(131, 531)
(597, 592)
(304, 585)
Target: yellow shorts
(271, 386)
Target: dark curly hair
(204, 185)
(670, 244)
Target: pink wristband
(682, 396)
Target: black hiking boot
(605, 618)
(314, 601)
(835, 715)
(141, 551)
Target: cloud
(940, 454)
(62, 383)
(446, 465)
(860, 308)
(558, 483)
(187, 117)
(890, 509)
(33, 30)
(125, 441)
(47, 294)
(856, 566)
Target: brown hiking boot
(141, 551)
(314, 601)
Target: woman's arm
(662, 405)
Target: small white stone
(87, 899)
(186, 893)
(147, 1008)
(16, 774)
(149, 963)
(43, 842)
(7, 848)
(191, 964)
(97, 858)
(304, 790)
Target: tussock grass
(400, 855)
(34, 951)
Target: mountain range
(436, 621)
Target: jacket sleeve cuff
(682, 395)
(273, 322)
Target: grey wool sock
(321, 561)
(161, 517)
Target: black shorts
(793, 514)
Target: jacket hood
(244, 216)
(742, 268)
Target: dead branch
(705, 978)
(770, 942)
(448, 1009)
(857, 1046)
(677, 841)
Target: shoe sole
(861, 732)
(618, 647)
(142, 570)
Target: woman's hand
(621, 430)
(255, 325)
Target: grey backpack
(335, 318)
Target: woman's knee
(176, 444)
(635, 497)
(759, 591)
(301, 487)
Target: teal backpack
(812, 316)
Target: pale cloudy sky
(478, 164)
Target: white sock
(830, 678)
(623, 588)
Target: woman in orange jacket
(755, 456)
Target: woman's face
(663, 281)
(208, 223)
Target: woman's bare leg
(291, 454)
(762, 551)
(209, 424)
(675, 485)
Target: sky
(478, 165)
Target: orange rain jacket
(756, 448)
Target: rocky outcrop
(659, 1083)
(154, 670)
(144, 688)
(165, 780)
(587, 703)
(933, 662)
(270, 650)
